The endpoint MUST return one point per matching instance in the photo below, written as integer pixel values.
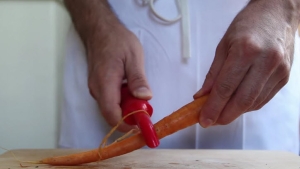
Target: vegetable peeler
(130, 104)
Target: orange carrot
(178, 120)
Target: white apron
(174, 81)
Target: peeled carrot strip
(186, 116)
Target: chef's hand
(113, 54)
(252, 61)
(111, 59)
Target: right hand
(113, 56)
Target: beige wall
(32, 36)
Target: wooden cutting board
(175, 159)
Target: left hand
(252, 61)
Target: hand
(113, 56)
(252, 61)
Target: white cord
(186, 33)
(185, 22)
(151, 4)
(183, 7)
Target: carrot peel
(103, 143)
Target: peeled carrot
(186, 116)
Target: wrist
(103, 30)
(291, 11)
(93, 19)
(286, 11)
(104, 25)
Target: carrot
(178, 120)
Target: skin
(113, 54)
(251, 64)
(252, 61)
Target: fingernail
(206, 123)
(143, 93)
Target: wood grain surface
(175, 159)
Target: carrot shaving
(103, 143)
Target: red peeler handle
(141, 119)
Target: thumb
(138, 84)
(136, 79)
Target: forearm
(92, 18)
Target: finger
(261, 79)
(275, 90)
(108, 83)
(231, 75)
(213, 71)
(246, 94)
(269, 86)
(277, 80)
(135, 74)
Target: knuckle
(93, 93)
(220, 47)
(283, 69)
(258, 107)
(211, 112)
(137, 78)
(247, 46)
(251, 46)
(277, 54)
(285, 80)
(248, 43)
(224, 90)
(92, 88)
(107, 113)
(108, 116)
(210, 74)
(274, 56)
(261, 105)
(91, 84)
(252, 50)
(248, 97)
(246, 101)
(259, 100)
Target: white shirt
(174, 81)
